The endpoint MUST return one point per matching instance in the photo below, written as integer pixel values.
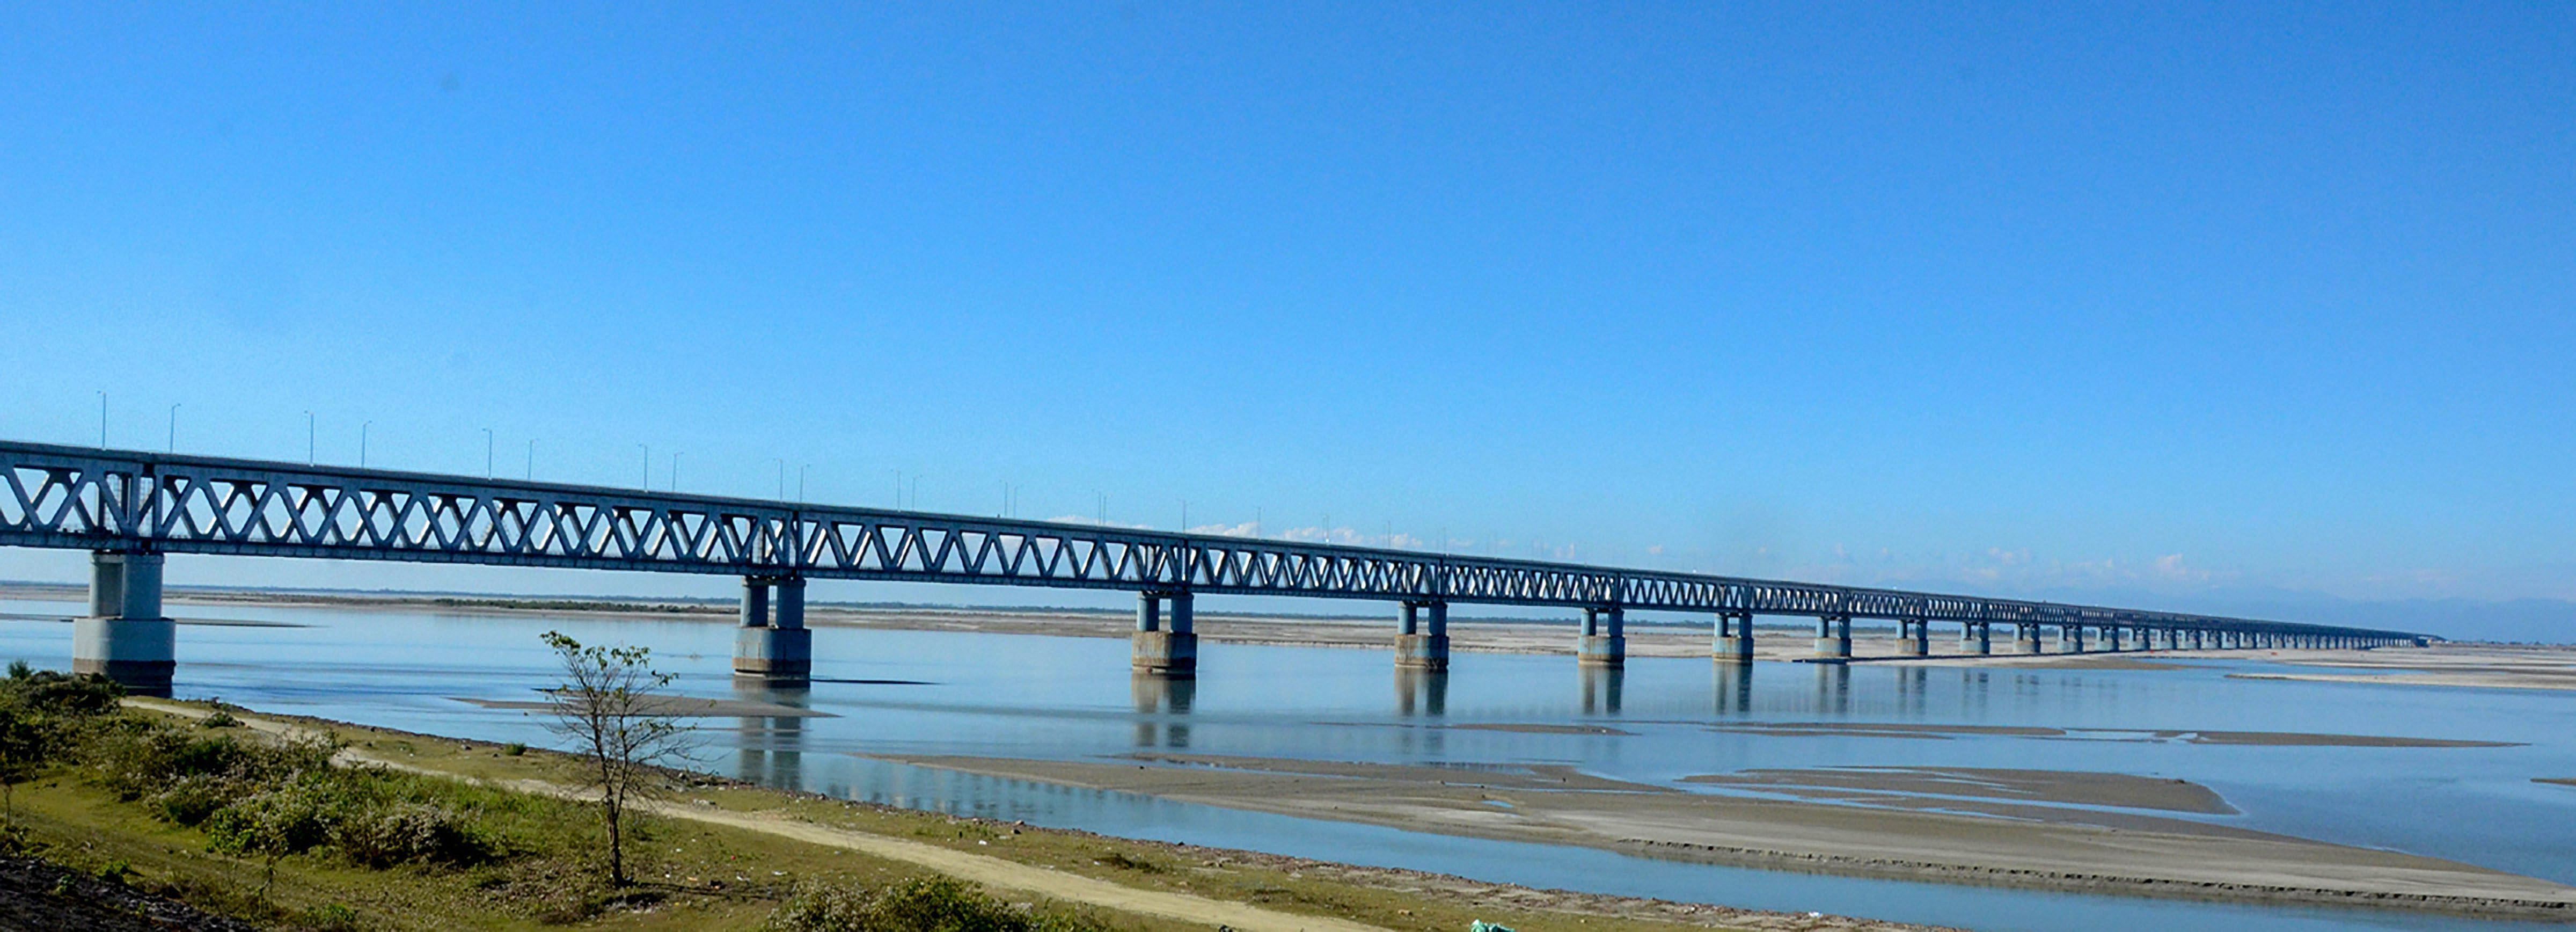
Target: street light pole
(102, 420)
(487, 452)
(362, 443)
(648, 465)
(675, 471)
(308, 438)
(174, 427)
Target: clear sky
(2228, 307)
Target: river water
(906, 692)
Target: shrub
(406, 832)
(191, 799)
(282, 821)
(938, 904)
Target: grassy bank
(412, 832)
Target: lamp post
(102, 420)
(174, 427)
(308, 438)
(675, 471)
(487, 452)
(362, 443)
(648, 465)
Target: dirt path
(982, 869)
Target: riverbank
(2000, 827)
(736, 849)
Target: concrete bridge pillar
(2111, 638)
(2070, 639)
(1419, 649)
(1166, 644)
(773, 642)
(1605, 638)
(1833, 636)
(1734, 637)
(2026, 638)
(1977, 637)
(124, 637)
(1917, 635)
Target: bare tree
(610, 705)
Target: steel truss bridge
(124, 501)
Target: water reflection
(1734, 687)
(1162, 704)
(1601, 687)
(1833, 688)
(770, 749)
(1422, 692)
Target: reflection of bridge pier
(1734, 688)
(1601, 687)
(1833, 688)
(124, 637)
(1162, 709)
(770, 749)
(1424, 692)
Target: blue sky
(2204, 306)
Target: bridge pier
(124, 637)
(773, 643)
(2026, 638)
(1416, 649)
(1605, 638)
(2070, 639)
(1833, 636)
(1735, 637)
(1166, 646)
(1977, 637)
(2111, 638)
(1917, 635)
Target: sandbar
(1940, 731)
(2047, 786)
(2117, 852)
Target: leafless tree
(610, 705)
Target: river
(916, 693)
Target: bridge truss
(107, 500)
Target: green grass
(695, 876)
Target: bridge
(131, 508)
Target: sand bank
(1943, 732)
(2047, 786)
(1955, 841)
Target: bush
(937, 904)
(407, 832)
(283, 821)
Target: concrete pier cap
(773, 642)
(1422, 635)
(124, 637)
(1605, 638)
(1734, 643)
(1165, 643)
(1833, 636)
